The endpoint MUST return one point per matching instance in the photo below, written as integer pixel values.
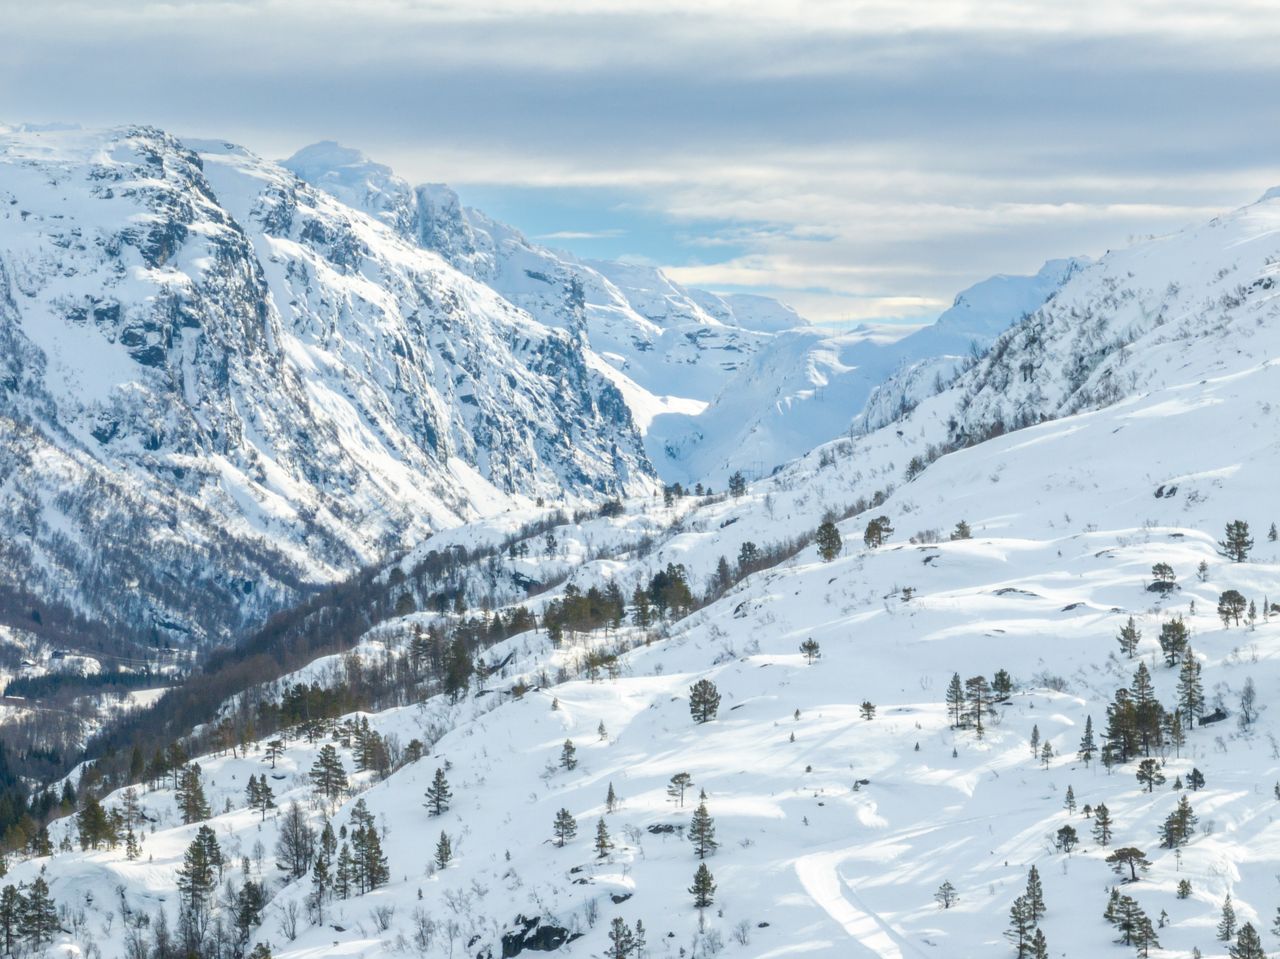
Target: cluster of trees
(579, 612)
(968, 702)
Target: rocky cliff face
(218, 377)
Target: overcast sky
(856, 159)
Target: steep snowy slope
(221, 384)
(835, 830)
(666, 343)
(716, 382)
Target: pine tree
(1087, 745)
(565, 827)
(1046, 754)
(12, 907)
(1035, 741)
(1227, 924)
(1236, 542)
(611, 800)
(622, 942)
(1066, 839)
(39, 920)
(704, 701)
(702, 832)
(1178, 826)
(569, 756)
(190, 795)
(955, 700)
(1102, 824)
(1149, 774)
(1129, 637)
(1035, 895)
(197, 879)
(261, 795)
(1069, 803)
(1039, 946)
(275, 749)
(438, 794)
(961, 531)
(1248, 944)
(1195, 780)
(1190, 690)
(1129, 857)
(1174, 637)
(1184, 888)
(676, 788)
(603, 842)
(1022, 925)
(132, 848)
(828, 541)
(342, 875)
(328, 777)
(868, 710)
(444, 851)
(978, 695)
(1001, 685)
(811, 650)
(946, 895)
(703, 889)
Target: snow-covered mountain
(810, 386)
(221, 385)
(717, 383)
(1122, 425)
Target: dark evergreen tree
(438, 794)
(190, 795)
(1248, 944)
(1001, 686)
(1227, 923)
(702, 832)
(1174, 637)
(956, 701)
(1087, 744)
(828, 541)
(1102, 824)
(1149, 774)
(444, 851)
(565, 827)
(704, 701)
(1129, 857)
(1022, 924)
(1129, 637)
(603, 842)
(12, 907)
(39, 919)
(569, 756)
(1035, 895)
(328, 777)
(703, 889)
(1236, 542)
(622, 941)
(1178, 826)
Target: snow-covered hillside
(221, 385)
(1146, 395)
(810, 386)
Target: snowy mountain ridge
(717, 383)
(205, 355)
